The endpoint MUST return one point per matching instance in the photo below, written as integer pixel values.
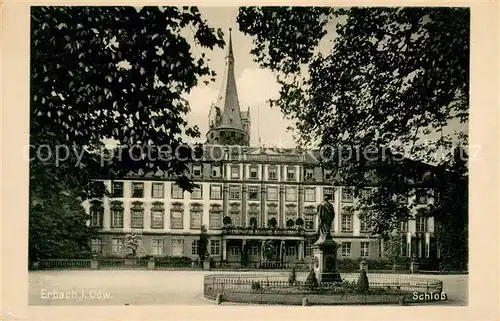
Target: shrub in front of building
(363, 284)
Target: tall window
(117, 245)
(272, 193)
(364, 224)
(310, 194)
(216, 171)
(215, 192)
(235, 171)
(96, 245)
(197, 193)
(157, 190)
(308, 174)
(194, 247)
(420, 222)
(234, 250)
(291, 193)
(137, 190)
(365, 249)
(254, 172)
(290, 173)
(97, 213)
(328, 191)
(346, 248)
(215, 217)
(272, 212)
(196, 213)
(290, 217)
(197, 172)
(327, 174)
(137, 216)
(308, 251)
(403, 226)
(253, 193)
(177, 247)
(309, 220)
(347, 194)
(117, 189)
(176, 219)
(290, 251)
(157, 246)
(157, 215)
(117, 215)
(346, 221)
(272, 173)
(214, 247)
(177, 192)
(234, 192)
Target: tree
(203, 244)
(227, 221)
(132, 247)
(363, 283)
(116, 73)
(269, 249)
(390, 77)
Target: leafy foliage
(311, 281)
(270, 250)
(114, 73)
(383, 80)
(203, 244)
(227, 221)
(363, 284)
(292, 278)
(299, 222)
(132, 247)
(272, 222)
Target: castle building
(247, 196)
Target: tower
(227, 124)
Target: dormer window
(197, 170)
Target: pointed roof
(227, 100)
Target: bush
(292, 278)
(363, 282)
(255, 286)
(311, 281)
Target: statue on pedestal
(326, 214)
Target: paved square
(143, 287)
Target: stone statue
(326, 214)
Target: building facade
(247, 196)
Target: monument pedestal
(325, 261)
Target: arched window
(96, 213)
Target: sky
(255, 86)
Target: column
(427, 245)
(282, 251)
(224, 200)
(300, 250)
(408, 243)
(224, 249)
(244, 204)
(301, 200)
(281, 205)
(263, 203)
(262, 250)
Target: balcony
(263, 231)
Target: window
(421, 196)
(177, 247)
(309, 221)
(253, 193)
(117, 189)
(272, 173)
(197, 193)
(253, 219)
(290, 173)
(308, 174)
(97, 213)
(136, 216)
(403, 226)
(365, 249)
(216, 171)
(254, 172)
(214, 247)
(177, 192)
(116, 245)
(197, 172)
(364, 224)
(420, 222)
(176, 219)
(215, 192)
(347, 195)
(291, 193)
(138, 190)
(235, 171)
(234, 192)
(157, 190)
(215, 219)
(157, 246)
(346, 224)
(272, 193)
(157, 216)
(308, 251)
(196, 218)
(346, 249)
(366, 193)
(117, 216)
(328, 191)
(310, 194)
(96, 246)
(327, 174)
(194, 247)
(234, 250)
(253, 250)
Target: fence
(65, 264)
